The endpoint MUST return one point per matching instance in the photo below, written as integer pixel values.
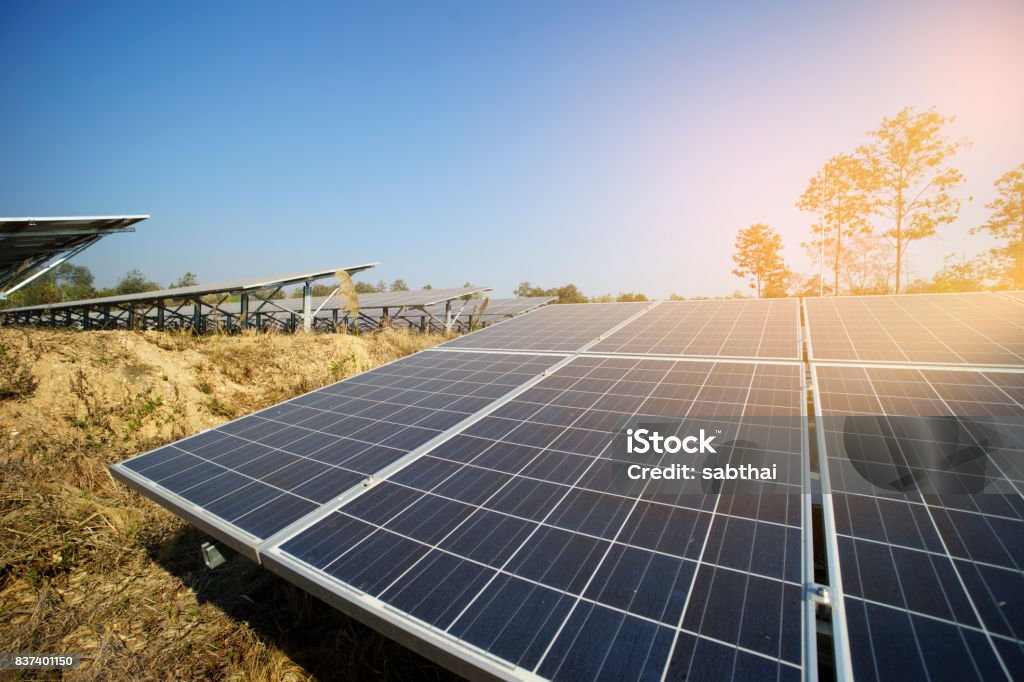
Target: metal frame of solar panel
(745, 328)
(956, 329)
(936, 573)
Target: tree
(189, 279)
(958, 274)
(757, 256)
(910, 177)
(840, 195)
(382, 286)
(134, 282)
(428, 287)
(629, 296)
(676, 297)
(566, 294)
(469, 297)
(365, 288)
(1007, 223)
(399, 285)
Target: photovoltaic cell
(930, 563)
(262, 472)
(516, 538)
(966, 329)
(563, 327)
(767, 328)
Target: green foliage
(399, 285)
(66, 282)
(189, 279)
(676, 297)
(629, 296)
(365, 288)
(134, 282)
(566, 294)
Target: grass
(88, 567)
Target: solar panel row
(922, 462)
(507, 533)
(472, 498)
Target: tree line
(871, 205)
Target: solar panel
(248, 479)
(563, 327)
(766, 328)
(924, 467)
(513, 546)
(1015, 295)
(967, 329)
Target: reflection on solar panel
(564, 327)
(932, 576)
(248, 479)
(768, 328)
(1015, 295)
(512, 540)
(972, 329)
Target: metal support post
(307, 306)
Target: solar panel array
(469, 495)
(565, 328)
(921, 427)
(737, 328)
(965, 329)
(512, 537)
(470, 498)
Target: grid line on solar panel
(932, 569)
(498, 534)
(981, 329)
(558, 328)
(265, 471)
(763, 329)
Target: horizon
(616, 148)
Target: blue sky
(619, 146)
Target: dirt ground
(88, 567)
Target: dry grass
(88, 567)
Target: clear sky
(619, 146)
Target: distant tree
(1007, 223)
(629, 296)
(910, 177)
(757, 256)
(428, 287)
(958, 274)
(365, 288)
(603, 298)
(470, 297)
(399, 285)
(315, 290)
(568, 294)
(676, 297)
(382, 286)
(525, 290)
(134, 282)
(189, 279)
(840, 194)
